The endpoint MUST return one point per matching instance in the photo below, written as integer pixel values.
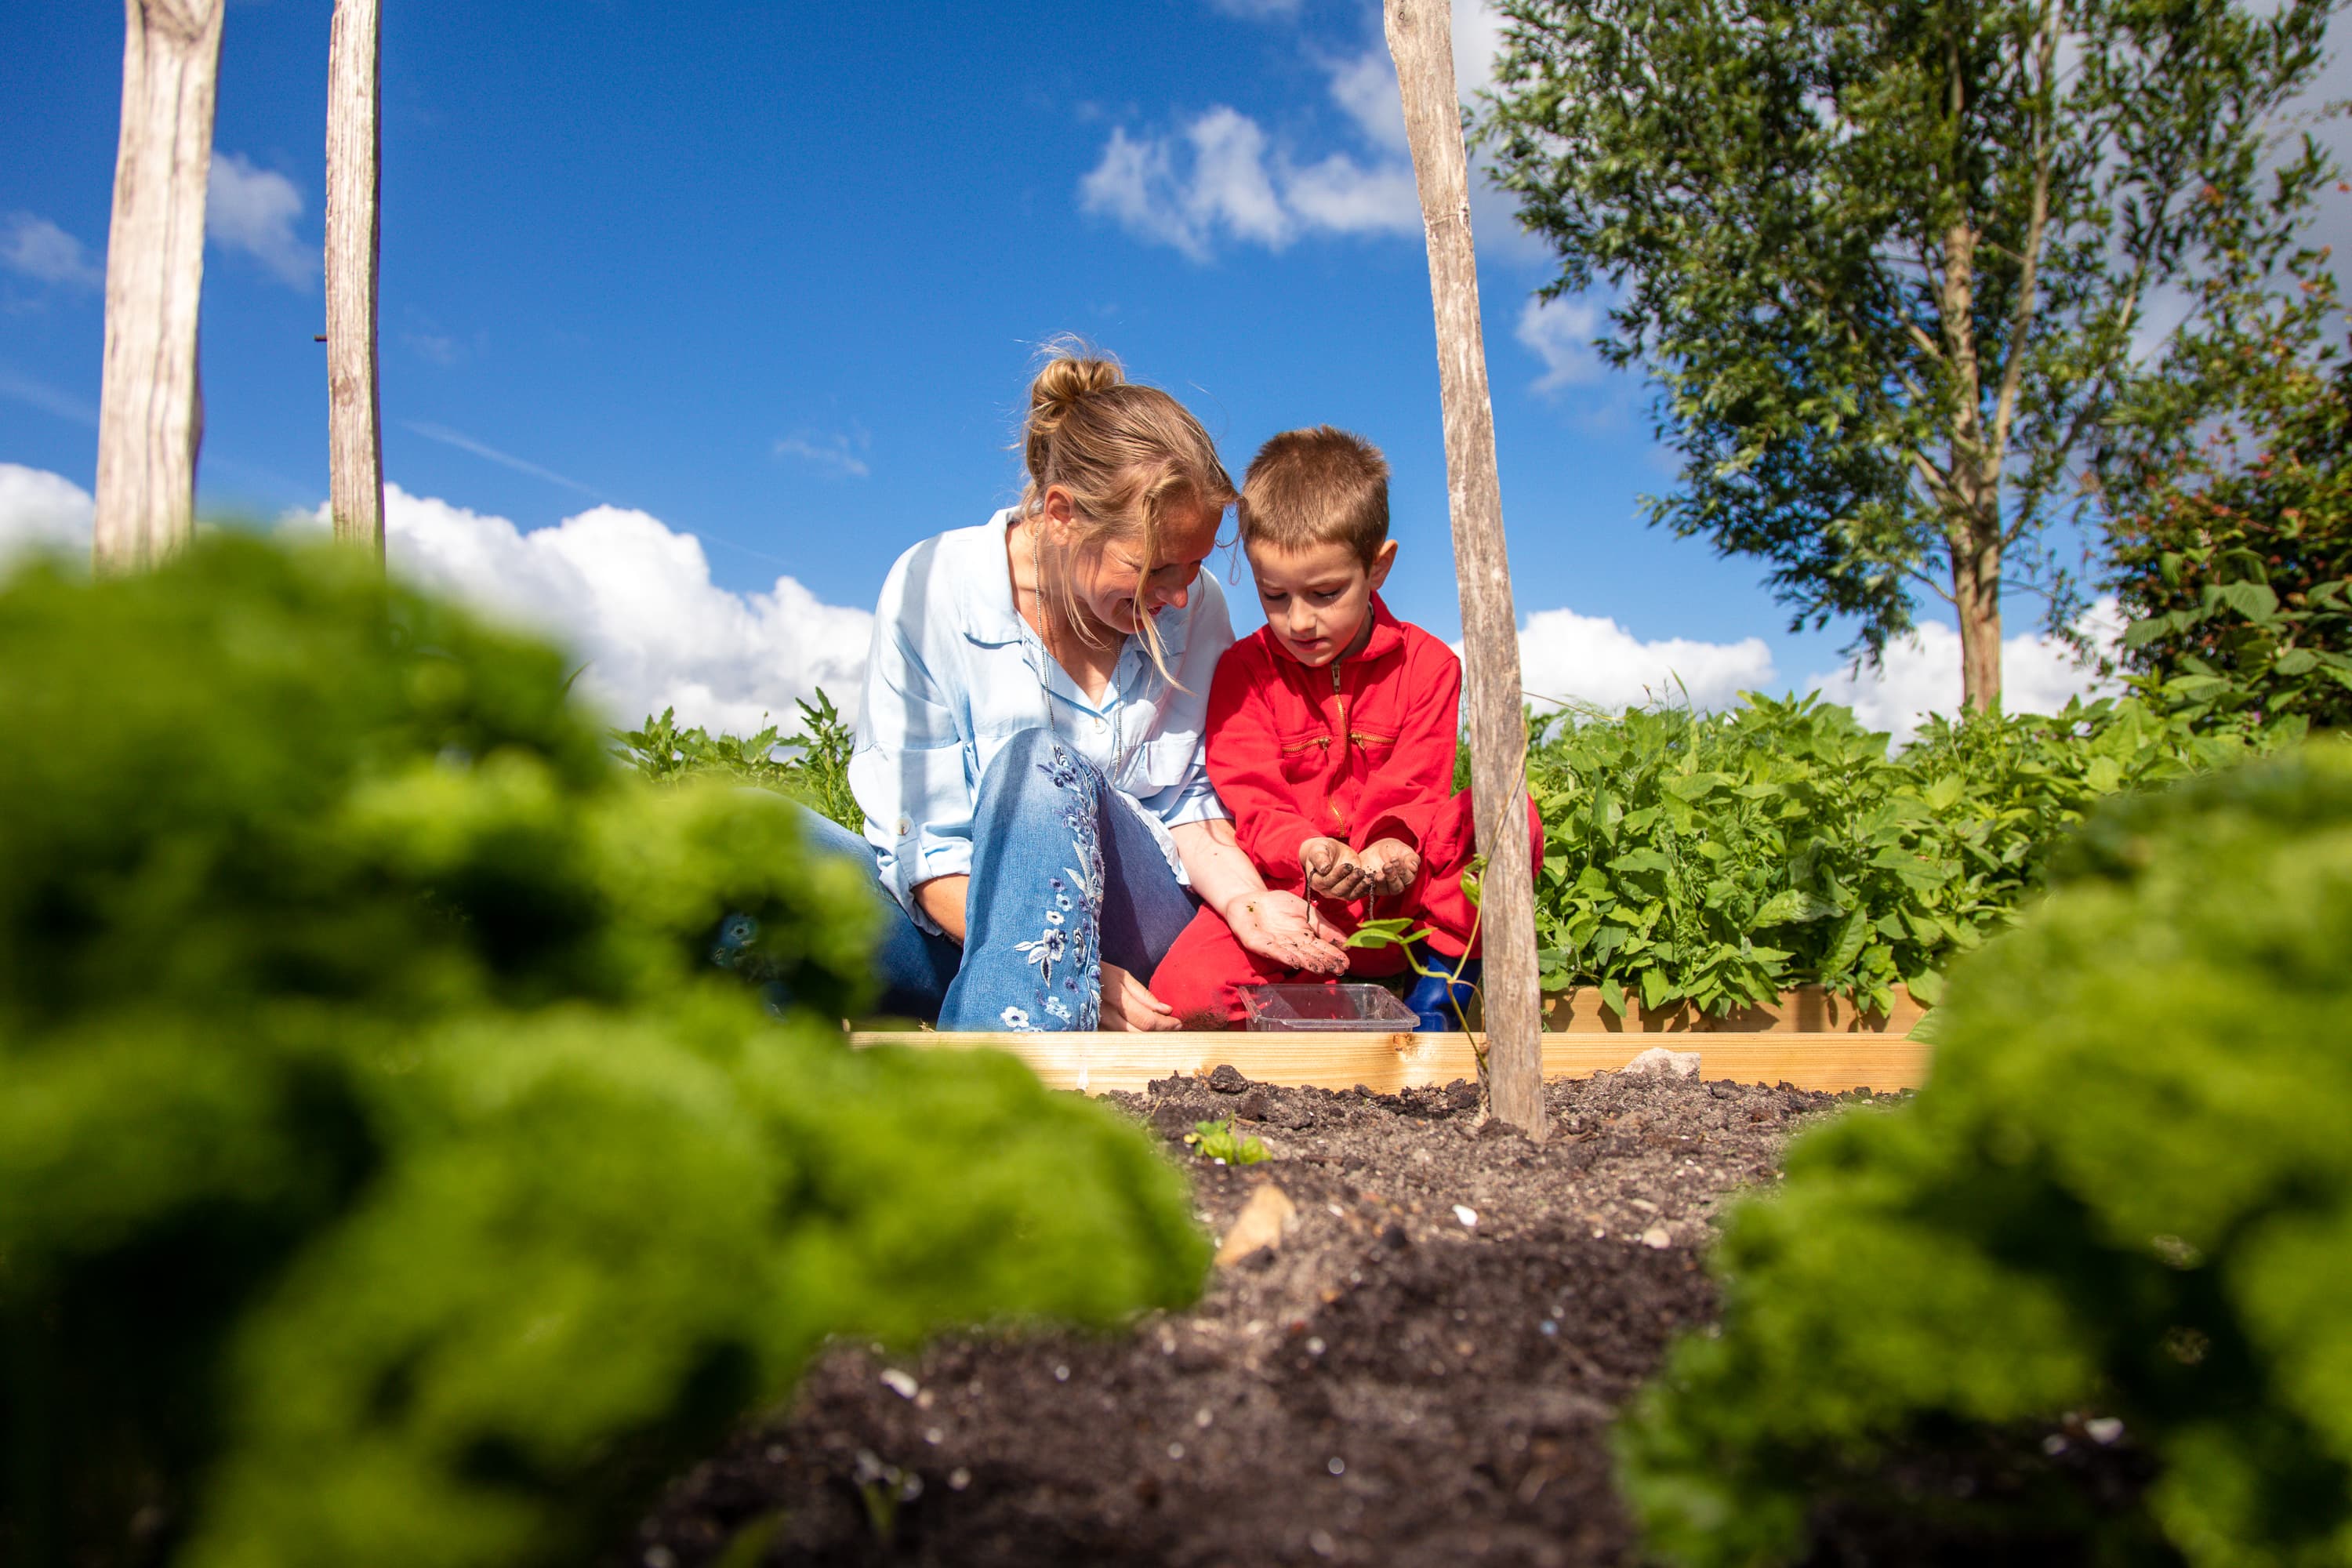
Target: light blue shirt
(955, 672)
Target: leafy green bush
(818, 777)
(386, 1174)
(2126, 1189)
(1724, 857)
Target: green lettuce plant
(386, 1175)
(2123, 1195)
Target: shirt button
(905, 827)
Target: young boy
(1331, 734)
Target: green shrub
(2126, 1190)
(818, 777)
(1724, 857)
(386, 1176)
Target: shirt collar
(990, 617)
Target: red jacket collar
(1388, 637)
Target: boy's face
(1318, 600)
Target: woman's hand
(1285, 928)
(1128, 1005)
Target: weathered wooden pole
(354, 155)
(1420, 35)
(150, 413)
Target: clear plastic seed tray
(1338, 1008)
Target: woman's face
(1112, 581)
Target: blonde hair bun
(1069, 377)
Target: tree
(2229, 520)
(1889, 262)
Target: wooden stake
(355, 156)
(151, 411)
(1420, 34)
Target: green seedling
(1393, 933)
(1221, 1142)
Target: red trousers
(1201, 977)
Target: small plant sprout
(1392, 933)
(1221, 1142)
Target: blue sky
(773, 276)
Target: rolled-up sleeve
(907, 770)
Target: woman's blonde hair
(1127, 454)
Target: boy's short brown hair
(1316, 487)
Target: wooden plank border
(1097, 1063)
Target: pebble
(1657, 1236)
(2103, 1429)
(900, 1384)
(1467, 1215)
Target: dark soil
(1422, 1370)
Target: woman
(1029, 742)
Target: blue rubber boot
(1429, 999)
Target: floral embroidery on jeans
(1016, 1018)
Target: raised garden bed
(1390, 1064)
(1396, 1381)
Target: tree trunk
(151, 411)
(1420, 38)
(1976, 596)
(1972, 523)
(354, 146)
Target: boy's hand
(1390, 865)
(1332, 872)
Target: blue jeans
(1065, 877)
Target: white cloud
(834, 454)
(253, 210)
(40, 250)
(634, 598)
(1220, 178)
(1922, 675)
(1561, 331)
(41, 511)
(1565, 656)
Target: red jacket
(1359, 751)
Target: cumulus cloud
(634, 598)
(1565, 656)
(1922, 676)
(629, 594)
(254, 210)
(40, 250)
(41, 511)
(1561, 334)
(1220, 178)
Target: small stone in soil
(1467, 1215)
(1657, 1236)
(900, 1384)
(1227, 1080)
